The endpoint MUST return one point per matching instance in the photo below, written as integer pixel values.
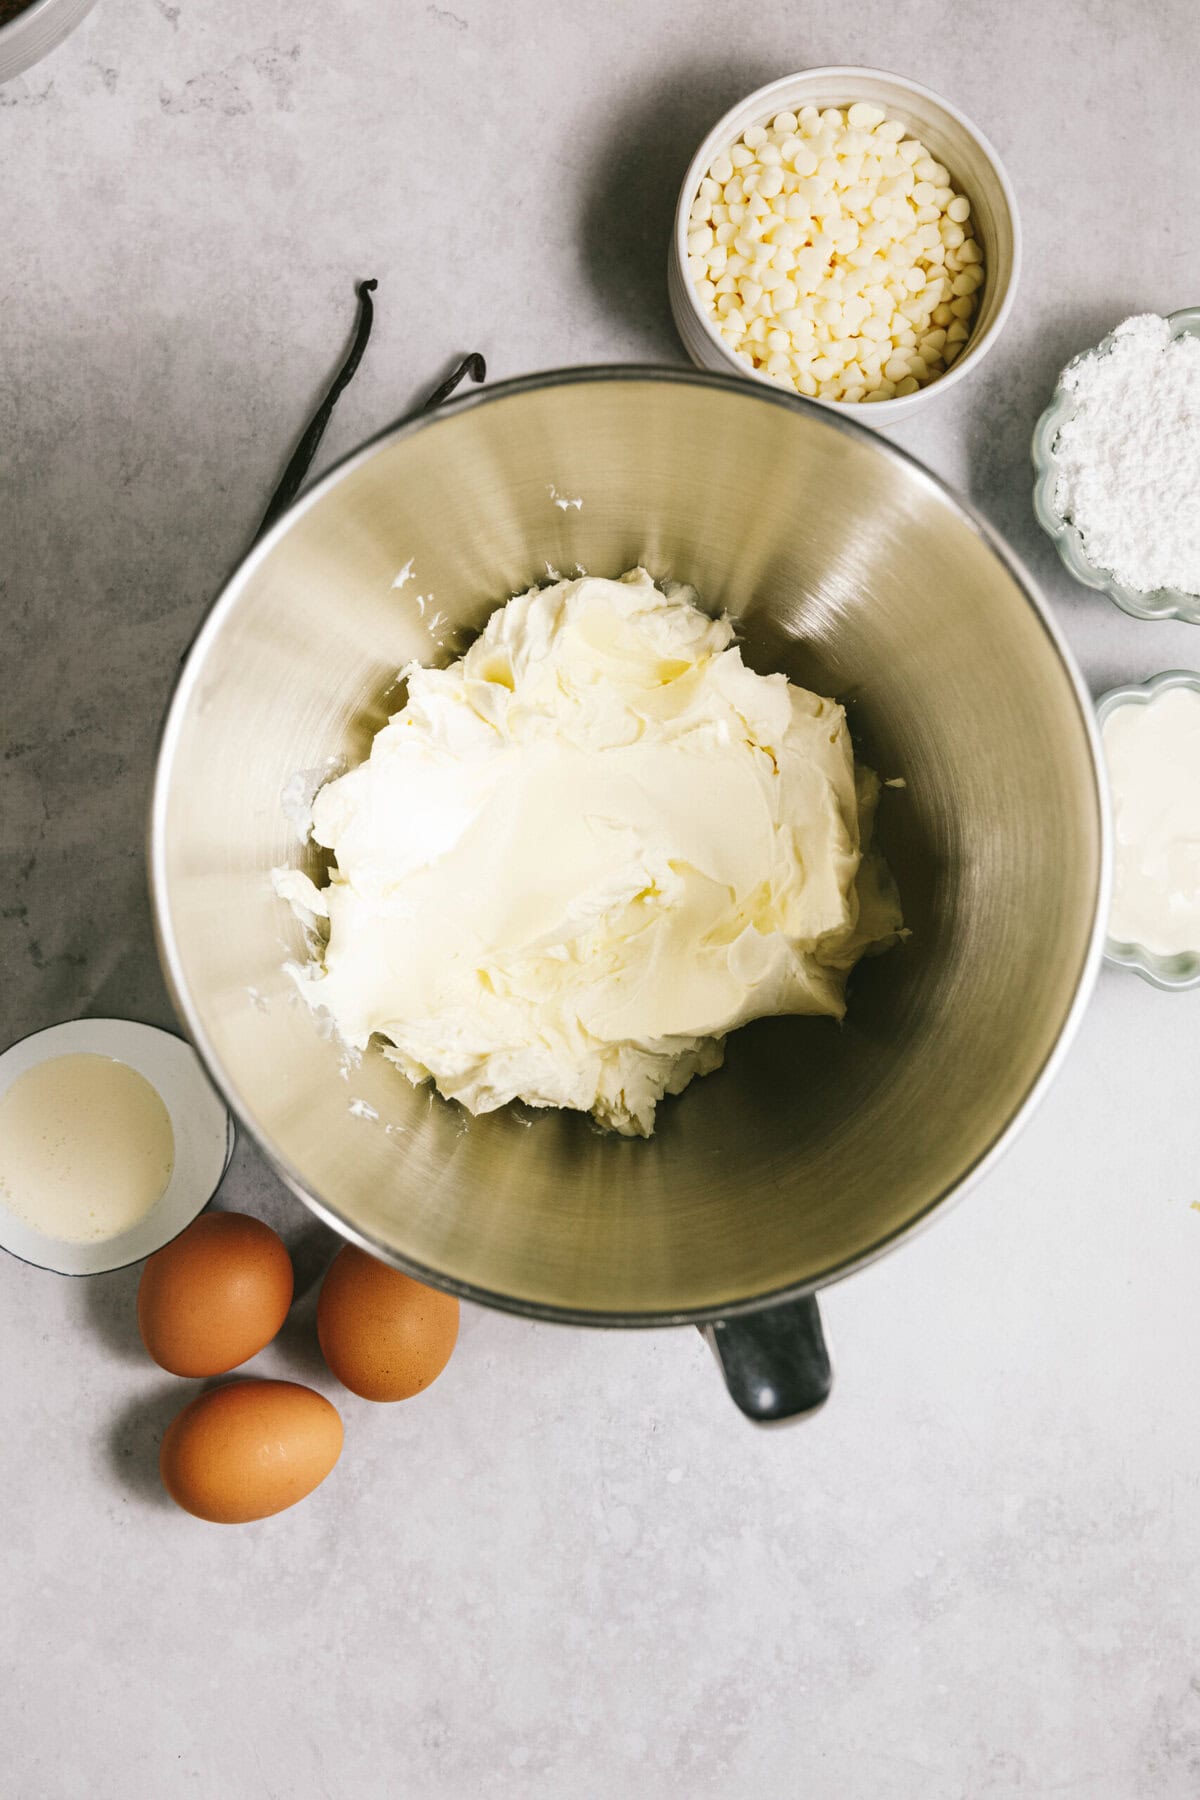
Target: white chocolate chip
(862, 117)
(831, 252)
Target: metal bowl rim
(227, 598)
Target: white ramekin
(201, 1125)
(974, 168)
(1181, 970)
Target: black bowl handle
(775, 1363)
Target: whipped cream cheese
(1152, 749)
(586, 851)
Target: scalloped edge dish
(1164, 603)
(1182, 970)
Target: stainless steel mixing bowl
(817, 1146)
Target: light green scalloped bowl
(1165, 603)
(1183, 969)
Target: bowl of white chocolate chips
(847, 234)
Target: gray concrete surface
(570, 1570)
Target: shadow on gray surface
(252, 1186)
(134, 1436)
(124, 975)
(1000, 432)
(297, 1343)
(110, 1307)
(312, 1247)
(629, 206)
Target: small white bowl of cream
(1151, 736)
(111, 1141)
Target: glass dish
(1183, 969)
(1164, 603)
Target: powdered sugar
(1128, 459)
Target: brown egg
(215, 1295)
(384, 1335)
(249, 1449)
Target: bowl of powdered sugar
(1117, 461)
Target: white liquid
(86, 1148)
(1153, 756)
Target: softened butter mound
(581, 855)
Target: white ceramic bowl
(975, 170)
(203, 1139)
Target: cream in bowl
(1151, 738)
(111, 1141)
(581, 855)
(829, 238)
(86, 1147)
